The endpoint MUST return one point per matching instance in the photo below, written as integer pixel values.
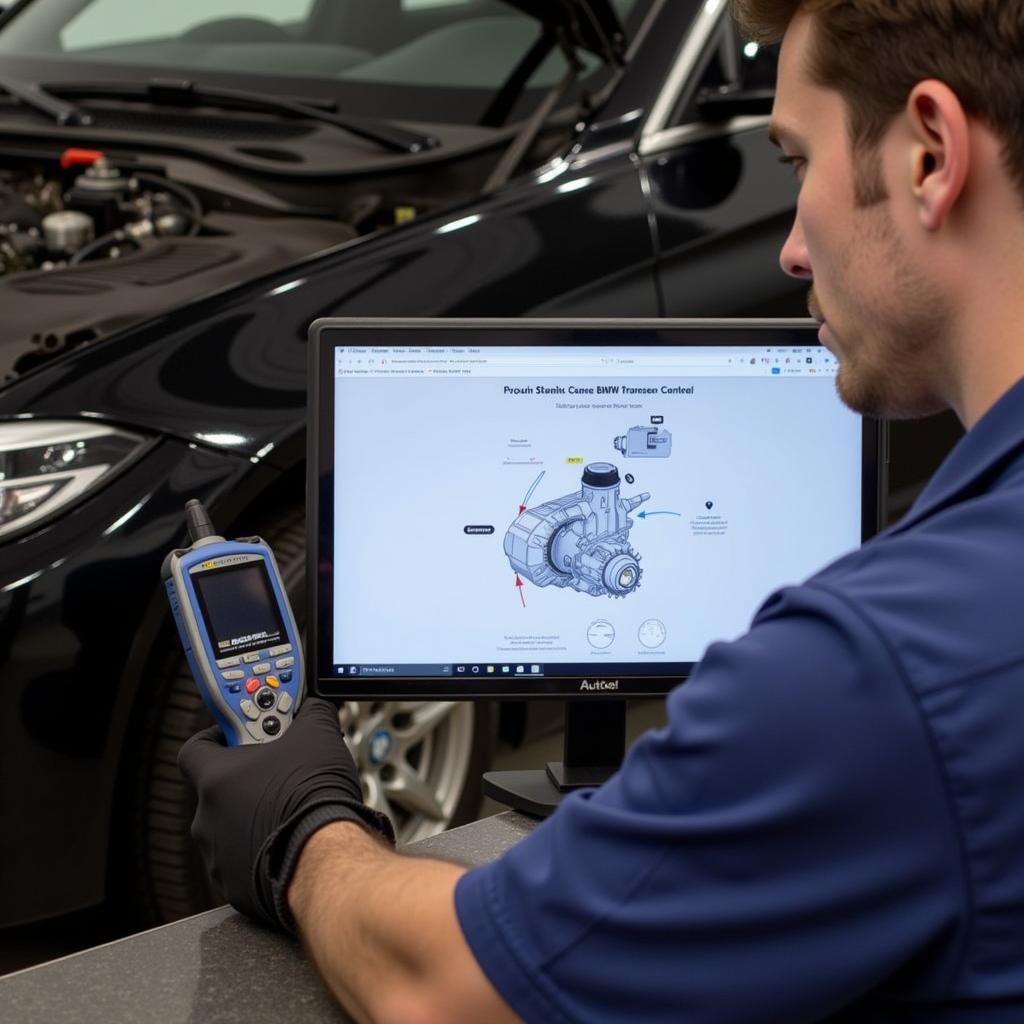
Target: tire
(421, 762)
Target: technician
(831, 827)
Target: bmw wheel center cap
(379, 747)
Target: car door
(721, 203)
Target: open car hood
(588, 24)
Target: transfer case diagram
(580, 540)
(644, 443)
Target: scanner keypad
(266, 705)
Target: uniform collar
(980, 457)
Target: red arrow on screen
(519, 586)
(522, 509)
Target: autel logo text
(593, 685)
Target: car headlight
(46, 465)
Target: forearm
(382, 930)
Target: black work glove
(259, 804)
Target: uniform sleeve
(780, 848)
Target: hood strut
(501, 106)
(532, 126)
(587, 24)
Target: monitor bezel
(325, 333)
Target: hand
(259, 804)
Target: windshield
(359, 49)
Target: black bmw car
(180, 196)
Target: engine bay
(95, 240)
(93, 211)
(90, 244)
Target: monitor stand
(595, 742)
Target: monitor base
(538, 793)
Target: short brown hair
(873, 53)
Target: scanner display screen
(239, 609)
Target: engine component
(66, 231)
(644, 443)
(99, 192)
(19, 250)
(166, 225)
(14, 210)
(580, 540)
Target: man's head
(894, 114)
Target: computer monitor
(566, 509)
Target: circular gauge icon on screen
(651, 633)
(601, 633)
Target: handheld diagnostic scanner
(237, 628)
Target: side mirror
(729, 101)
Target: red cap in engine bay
(75, 157)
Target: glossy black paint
(723, 207)
(75, 641)
(219, 384)
(236, 365)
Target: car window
(432, 60)
(407, 42)
(113, 22)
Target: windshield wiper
(183, 93)
(39, 99)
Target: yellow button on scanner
(273, 681)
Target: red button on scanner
(252, 685)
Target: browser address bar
(534, 361)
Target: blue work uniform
(831, 826)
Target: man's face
(880, 315)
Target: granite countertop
(214, 968)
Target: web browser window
(537, 511)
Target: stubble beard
(890, 357)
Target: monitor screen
(522, 508)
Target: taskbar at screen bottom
(502, 678)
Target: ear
(941, 150)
